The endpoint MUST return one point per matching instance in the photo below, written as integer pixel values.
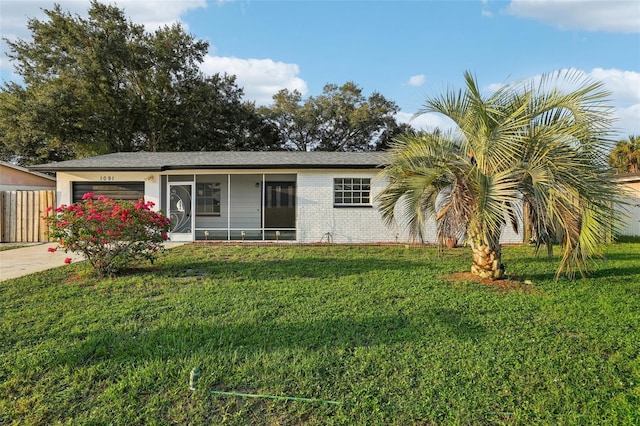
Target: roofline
(626, 177)
(27, 170)
(272, 166)
(44, 168)
(208, 167)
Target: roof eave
(269, 166)
(45, 168)
(205, 167)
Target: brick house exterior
(305, 197)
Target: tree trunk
(487, 255)
(487, 262)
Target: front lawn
(379, 330)
(11, 246)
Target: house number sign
(107, 178)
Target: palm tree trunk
(487, 256)
(487, 262)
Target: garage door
(131, 191)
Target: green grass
(11, 246)
(375, 328)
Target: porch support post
(228, 206)
(264, 200)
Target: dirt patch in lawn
(506, 284)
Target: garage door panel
(131, 191)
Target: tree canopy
(341, 119)
(625, 157)
(103, 84)
(526, 143)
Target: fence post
(13, 216)
(2, 217)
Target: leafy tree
(341, 119)
(102, 84)
(626, 155)
(526, 143)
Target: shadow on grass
(614, 272)
(311, 267)
(256, 338)
(593, 272)
(542, 267)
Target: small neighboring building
(306, 197)
(16, 178)
(24, 199)
(630, 183)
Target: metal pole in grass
(277, 397)
(195, 375)
(193, 378)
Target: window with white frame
(208, 199)
(350, 192)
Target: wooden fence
(22, 215)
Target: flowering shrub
(110, 234)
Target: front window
(351, 192)
(208, 199)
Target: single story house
(16, 178)
(306, 197)
(630, 184)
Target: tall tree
(102, 84)
(341, 119)
(626, 155)
(526, 142)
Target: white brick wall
(316, 215)
(631, 220)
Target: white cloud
(624, 85)
(628, 120)
(260, 78)
(625, 94)
(153, 14)
(416, 80)
(493, 87)
(14, 15)
(591, 15)
(427, 122)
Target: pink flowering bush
(110, 234)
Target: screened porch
(231, 207)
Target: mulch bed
(505, 284)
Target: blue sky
(405, 50)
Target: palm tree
(626, 155)
(526, 144)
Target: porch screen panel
(130, 191)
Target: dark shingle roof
(159, 161)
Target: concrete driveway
(22, 261)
